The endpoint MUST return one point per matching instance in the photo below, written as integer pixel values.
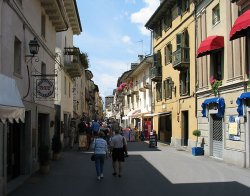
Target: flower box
(197, 151)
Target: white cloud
(126, 39)
(143, 15)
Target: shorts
(118, 154)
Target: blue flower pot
(197, 151)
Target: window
(217, 65)
(43, 69)
(184, 82)
(185, 6)
(158, 91)
(167, 21)
(168, 54)
(157, 59)
(17, 56)
(178, 41)
(69, 89)
(216, 14)
(43, 24)
(158, 30)
(65, 85)
(169, 88)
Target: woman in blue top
(101, 151)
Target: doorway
(14, 132)
(165, 128)
(217, 136)
(43, 129)
(185, 129)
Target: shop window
(216, 14)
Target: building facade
(222, 76)
(173, 72)
(32, 75)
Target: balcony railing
(156, 73)
(181, 58)
(72, 63)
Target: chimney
(140, 57)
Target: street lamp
(34, 48)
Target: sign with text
(45, 88)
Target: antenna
(141, 41)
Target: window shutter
(181, 85)
(166, 55)
(188, 82)
(179, 7)
(178, 41)
(164, 96)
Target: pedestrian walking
(101, 151)
(117, 145)
(95, 127)
(72, 135)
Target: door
(217, 137)
(13, 150)
(185, 128)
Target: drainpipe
(195, 41)
(1, 12)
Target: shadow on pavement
(74, 175)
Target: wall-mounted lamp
(34, 48)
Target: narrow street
(162, 171)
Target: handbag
(92, 157)
(124, 147)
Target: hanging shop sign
(45, 88)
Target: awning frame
(240, 102)
(241, 26)
(210, 44)
(217, 100)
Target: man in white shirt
(117, 144)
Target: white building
(31, 76)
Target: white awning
(11, 105)
(133, 112)
(125, 118)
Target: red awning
(210, 44)
(241, 25)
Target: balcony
(146, 82)
(72, 64)
(135, 89)
(156, 73)
(181, 58)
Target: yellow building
(173, 73)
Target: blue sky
(113, 36)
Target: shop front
(12, 115)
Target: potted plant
(56, 147)
(44, 158)
(196, 151)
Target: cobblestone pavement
(161, 171)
